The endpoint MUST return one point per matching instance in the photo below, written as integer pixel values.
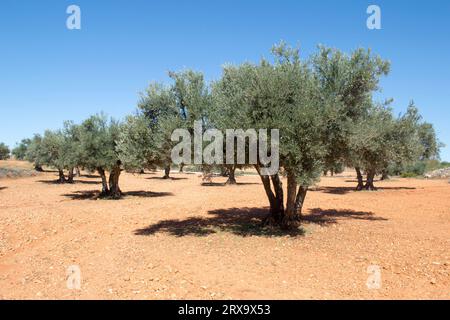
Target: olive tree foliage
(192, 96)
(228, 110)
(98, 152)
(193, 100)
(58, 149)
(51, 152)
(4, 151)
(380, 139)
(283, 95)
(135, 145)
(347, 82)
(428, 146)
(20, 150)
(144, 141)
(72, 152)
(33, 153)
(431, 145)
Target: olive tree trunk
(275, 197)
(105, 189)
(231, 175)
(294, 203)
(70, 176)
(114, 189)
(61, 177)
(166, 172)
(359, 176)
(291, 216)
(369, 183)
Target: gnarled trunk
(114, 189)
(70, 176)
(275, 199)
(359, 176)
(105, 189)
(77, 172)
(166, 172)
(278, 206)
(181, 167)
(290, 216)
(369, 183)
(61, 177)
(300, 200)
(231, 175)
(294, 203)
(384, 175)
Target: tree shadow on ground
(3, 188)
(168, 179)
(213, 184)
(247, 222)
(248, 183)
(74, 182)
(91, 176)
(345, 190)
(239, 221)
(223, 184)
(331, 216)
(95, 194)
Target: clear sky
(49, 73)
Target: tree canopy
(4, 151)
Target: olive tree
(380, 139)
(282, 95)
(193, 100)
(51, 152)
(229, 106)
(98, 152)
(4, 151)
(34, 154)
(20, 150)
(156, 109)
(72, 152)
(347, 82)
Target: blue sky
(49, 73)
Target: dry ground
(176, 239)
